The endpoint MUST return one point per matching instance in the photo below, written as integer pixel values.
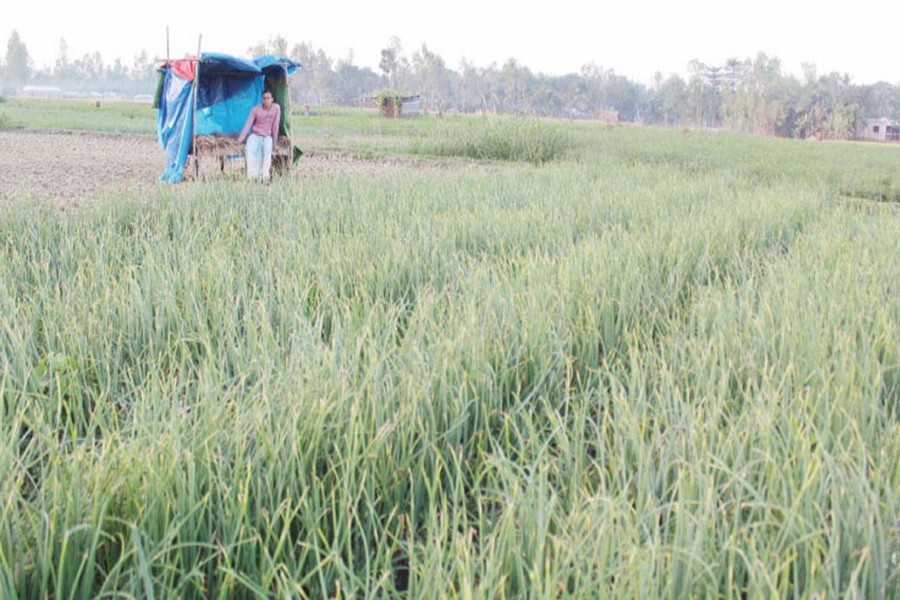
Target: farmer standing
(262, 126)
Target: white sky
(635, 39)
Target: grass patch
(883, 190)
(111, 116)
(505, 139)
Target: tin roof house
(881, 130)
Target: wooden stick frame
(194, 113)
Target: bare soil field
(76, 167)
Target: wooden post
(194, 113)
(290, 110)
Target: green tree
(670, 101)
(316, 84)
(757, 97)
(880, 100)
(604, 90)
(705, 93)
(18, 69)
(276, 45)
(143, 69)
(392, 61)
(62, 68)
(89, 67)
(388, 65)
(431, 73)
(827, 108)
(467, 92)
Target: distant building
(42, 91)
(881, 130)
(395, 107)
(410, 106)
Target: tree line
(80, 74)
(753, 95)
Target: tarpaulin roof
(228, 88)
(213, 62)
(216, 63)
(271, 64)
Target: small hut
(394, 105)
(202, 104)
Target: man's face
(267, 100)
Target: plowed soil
(71, 168)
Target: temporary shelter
(202, 103)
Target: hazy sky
(635, 38)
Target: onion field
(528, 360)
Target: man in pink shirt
(262, 126)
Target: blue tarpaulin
(227, 89)
(271, 64)
(225, 101)
(174, 122)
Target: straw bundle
(218, 145)
(228, 145)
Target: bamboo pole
(290, 110)
(194, 113)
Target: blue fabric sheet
(175, 124)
